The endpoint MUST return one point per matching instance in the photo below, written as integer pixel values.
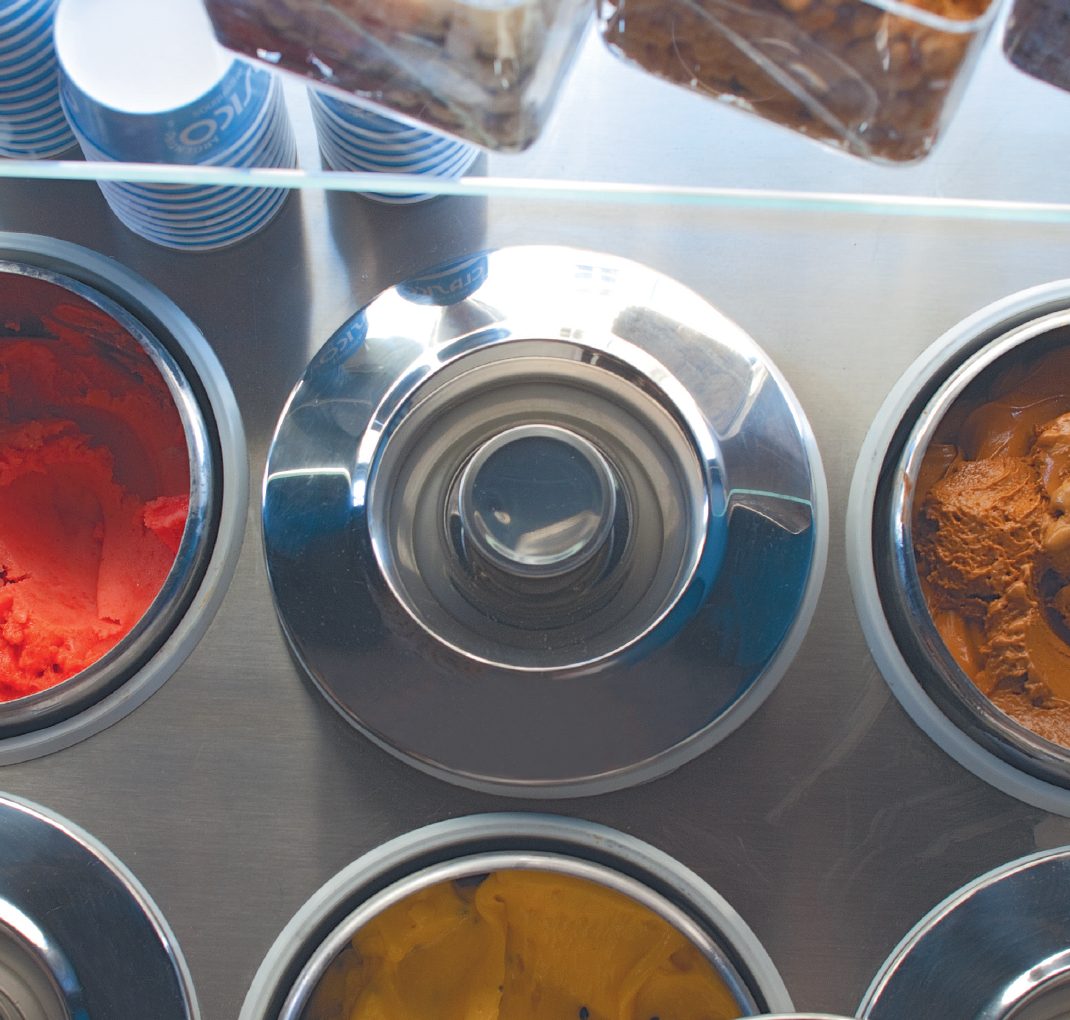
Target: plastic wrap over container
(879, 79)
(486, 70)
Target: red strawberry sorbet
(94, 492)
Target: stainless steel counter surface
(829, 821)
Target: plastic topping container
(1037, 40)
(879, 79)
(487, 70)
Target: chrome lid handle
(537, 500)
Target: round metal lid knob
(537, 500)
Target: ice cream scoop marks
(922, 440)
(992, 542)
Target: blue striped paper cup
(352, 138)
(32, 125)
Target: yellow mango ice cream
(520, 945)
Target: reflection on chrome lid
(537, 499)
(80, 938)
(999, 948)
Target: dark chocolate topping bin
(548, 529)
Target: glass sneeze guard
(621, 136)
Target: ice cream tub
(954, 529)
(80, 937)
(122, 492)
(544, 480)
(299, 974)
(488, 71)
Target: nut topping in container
(487, 70)
(1037, 40)
(878, 78)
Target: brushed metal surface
(829, 820)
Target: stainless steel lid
(543, 521)
(37, 981)
(51, 272)
(899, 628)
(996, 949)
(80, 938)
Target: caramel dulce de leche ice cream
(992, 540)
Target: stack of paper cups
(352, 138)
(32, 125)
(146, 82)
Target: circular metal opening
(29, 987)
(981, 379)
(606, 555)
(1046, 999)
